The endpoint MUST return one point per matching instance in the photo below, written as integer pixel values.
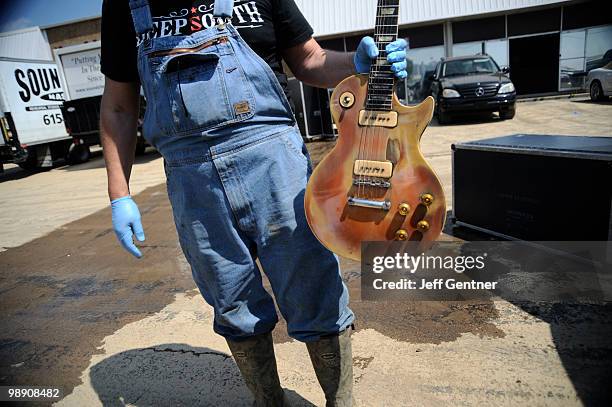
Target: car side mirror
(431, 77)
(505, 69)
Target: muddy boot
(332, 360)
(255, 359)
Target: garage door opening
(534, 64)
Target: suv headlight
(450, 93)
(506, 88)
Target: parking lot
(79, 313)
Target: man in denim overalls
(236, 170)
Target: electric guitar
(375, 184)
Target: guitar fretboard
(381, 80)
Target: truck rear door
(34, 95)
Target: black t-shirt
(268, 26)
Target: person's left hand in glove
(396, 55)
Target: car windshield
(469, 66)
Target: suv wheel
(596, 92)
(507, 114)
(443, 118)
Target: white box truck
(79, 69)
(33, 131)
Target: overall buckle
(224, 22)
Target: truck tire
(33, 162)
(78, 154)
(29, 164)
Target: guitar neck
(381, 80)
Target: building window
(572, 44)
(426, 36)
(421, 63)
(336, 44)
(571, 75)
(534, 22)
(582, 51)
(467, 48)
(598, 45)
(571, 60)
(587, 14)
(497, 49)
(353, 42)
(480, 29)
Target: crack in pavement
(225, 356)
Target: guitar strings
(361, 179)
(370, 190)
(377, 92)
(387, 28)
(361, 155)
(371, 140)
(382, 70)
(371, 81)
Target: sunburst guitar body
(375, 184)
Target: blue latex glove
(126, 222)
(396, 55)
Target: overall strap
(141, 15)
(223, 9)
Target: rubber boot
(257, 364)
(332, 359)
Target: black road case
(535, 187)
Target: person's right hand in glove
(395, 52)
(126, 223)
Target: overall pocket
(197, 89)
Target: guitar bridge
(372, 183)
(369, 168)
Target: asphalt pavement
(79, 313)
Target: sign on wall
(82, 73)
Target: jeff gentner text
(436, 284)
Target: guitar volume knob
(401, 235)
(403, 209)
(347, 99)
(423, 226)
(427, 199)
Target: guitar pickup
(378, 118)
(368, 168)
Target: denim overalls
(236, 170)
